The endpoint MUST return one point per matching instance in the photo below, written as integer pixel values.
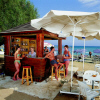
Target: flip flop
(19, 79)
(65, 75)
(14, 79)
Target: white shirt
(32, 55)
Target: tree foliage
(16, 12)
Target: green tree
(16, 12)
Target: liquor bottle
(16, 40)
(26, 43)
(23, 43)
(26, 49)
(21, 49)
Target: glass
(29, 55)
(94, 75)
(57, 60)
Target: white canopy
(61, 22)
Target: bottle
(21, 49)
(23, 43)
(26, 43)
(26, 49)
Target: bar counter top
(27, 57)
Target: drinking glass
(57, 60)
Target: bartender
(32, 54)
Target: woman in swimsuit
(17, 63)
(67, 56)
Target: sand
(10, 94)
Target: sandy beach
(11, 94)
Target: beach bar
(26, 37)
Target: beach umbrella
(79, 50)
(96, 51)
(47, 44)
(69, 23)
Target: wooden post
(39, 45)
(60, 46)
(7, 45)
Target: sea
(87, 49)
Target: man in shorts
(53, 61)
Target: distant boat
(48, 44)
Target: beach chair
(87, 92)
(95, 59)
(97, 66)
(89, 82)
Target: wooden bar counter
(41, 68)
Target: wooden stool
(62, 71)
(52, 73)
(27, 77)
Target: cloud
(87, 1)
(90, 3)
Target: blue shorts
(54, 62)
(66, 60)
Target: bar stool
(62, 70)
(52, 73)
(27, 77)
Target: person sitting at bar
(32, 54)
(46, 50)
(17, 63)
(53, 61)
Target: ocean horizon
(87, 48)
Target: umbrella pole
(72, 56)
(83, 55)
(72, 59)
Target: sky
(44, 6)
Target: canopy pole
(83, 55)
(72, 56)
(72, 52)
(73, 47)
